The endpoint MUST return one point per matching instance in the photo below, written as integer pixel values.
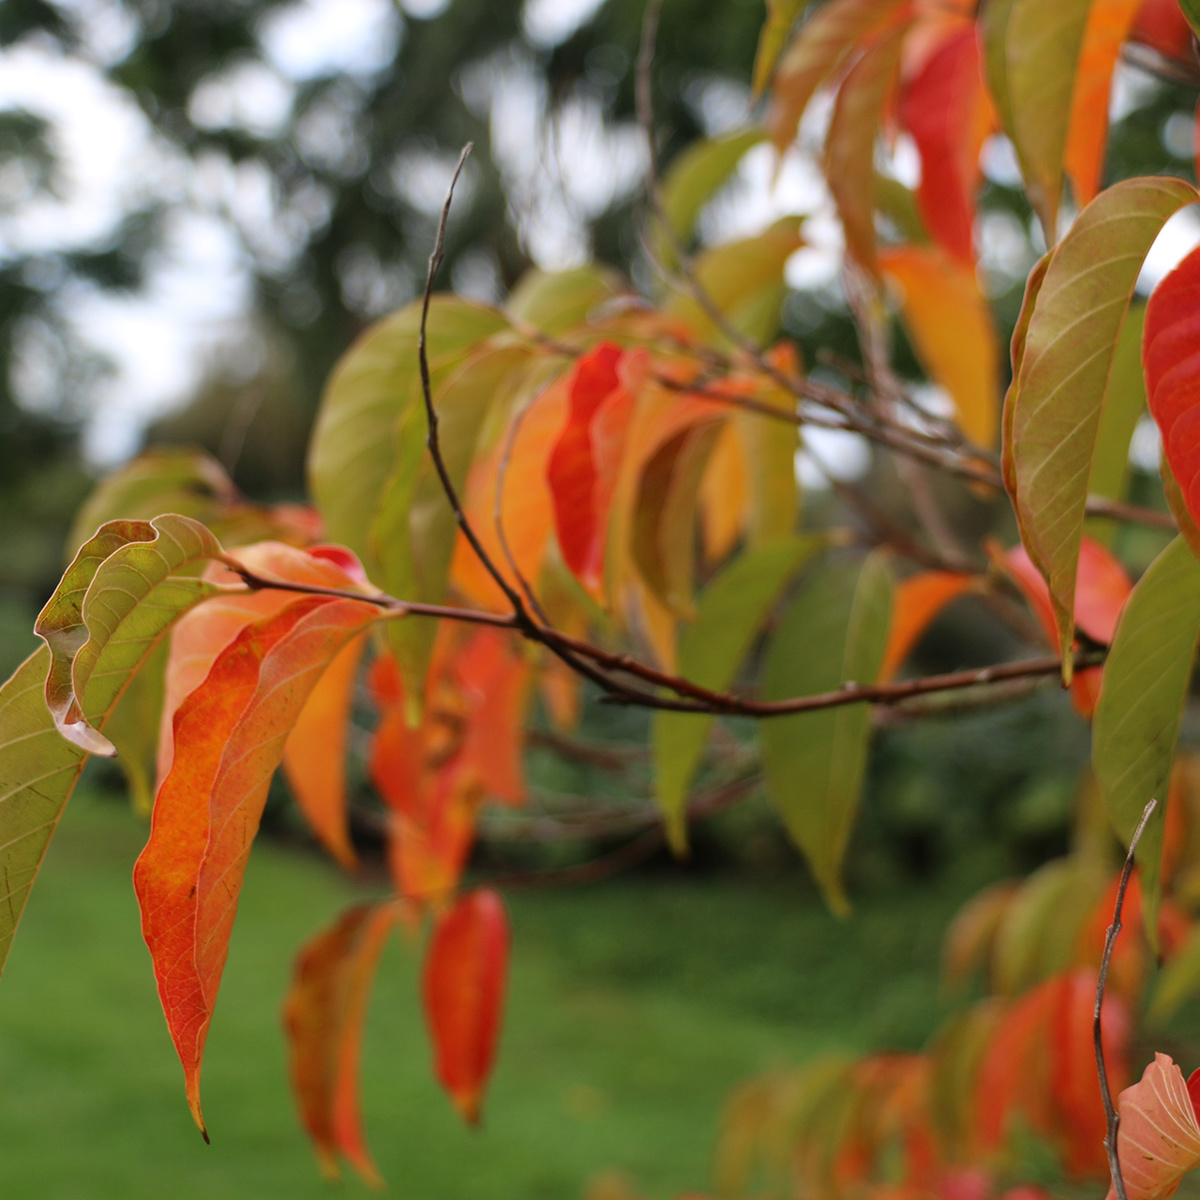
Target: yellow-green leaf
(1178, 981)
(781, 16)
(1141, 703)
(834, 632)
(1052, 414)
(557, 301)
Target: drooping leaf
(993, 33)
(724, 496)
(557, 301)
(323, 1016)
(970, 939)
(466, 964)
(228, 740)
(134, 725)
(695, 177)
(946, 109)
(951, 328)
(1177, 982)
(1033, 287)
(781, 16)
(819, 52)
(730, 613)
(1158, 1139)
(835, 631)
(1042, 47)
(1141, 702)
(375, 387)
(1053, 410)
(850, 145)
(771, 447)
(1108, 24)
(916, 602)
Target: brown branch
(1112, 1117)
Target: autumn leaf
(323, 1015)
(1158, 1139)
(228, 740)
(466, 964)
(916, 602)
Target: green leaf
(835, 632)
(1137, 719)
(556, 302)
(781, 16)
(372, 392)
(114, 602)
(744, 279)
(694, 177)
(1178, 981)
(771, 447)
(1191, 11)
(1041, 49)
(133, 728)
(1124, 403)
(730, 612)
(993, 25)
(1052, 412)
(412, 538)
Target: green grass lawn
(634, 1006)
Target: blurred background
(202, 203)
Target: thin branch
(1112, 1117)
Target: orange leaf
(465, 968)
(916, 601)
(314, 756)
(1171, 357)
(951, 328)
(228, 737)
(324, 1015)
(947, 110)
(1107, 27)
(1158, 1140)
(427, 856)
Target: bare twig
(1112, 1117)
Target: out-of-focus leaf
(1191, 11)
(970, 939)
(1161, 25)
(951, 328)
(819, 52)
(695, 177)
(1158, 1139)
(1137, 720)
(724, 495)
(917, 601)
(466, 965)
(557, 301)
(744, 279)
(374, 389)
(835, 631)
(730, 613)
(1053, 410)
(323, 1015)
(781, 16)
(1108, 24)
(947, 111)
(1042, 46)
(850, 145)
(228, 740)
(1124, 403)
(1178, 981)
(993, 32)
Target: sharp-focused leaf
(314, 755)
(916, 603)
(781, 16)
(695, 177)
(1053, 410)
(819, 52)
(834, 632)
(555, 302)
(1137, 720)
(1108, 24)
(1158, 1139)
(1042, 46)
(466, 964)
(949, 115)
(228, 739)
(1033, 287)
(950, 325)
(1124, 403)
(133, 728)
(744, 279)
(373, 390)
(323, 1015)
(730, 613)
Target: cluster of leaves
(583, 486)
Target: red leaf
(1158, 1140)
(1171, 357)
(323, 1015)
(465, 969)
(916, 601)
(1161, 25)
(228, 737)
(947, 110)
(583, 464)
